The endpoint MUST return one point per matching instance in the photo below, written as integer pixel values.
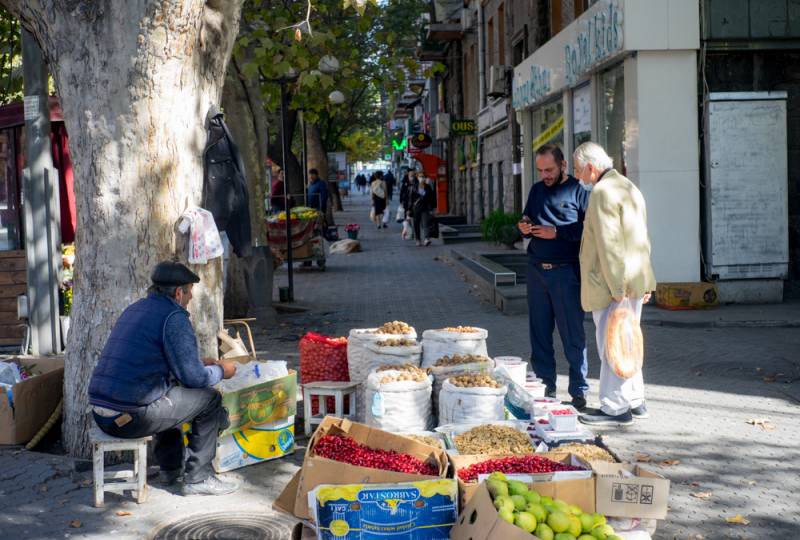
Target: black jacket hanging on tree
(225, 185)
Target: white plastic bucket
(516, 367)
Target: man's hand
(646, 297)
(525, 228)
(228, 368)
(544, 232)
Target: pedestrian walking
(553, 220)
(390, 182)
(378, 191)
(423, 202)
(615, 265)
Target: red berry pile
(519, 464)
(563, 412)
(347, 450)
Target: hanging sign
(421, 140)
(462, 127)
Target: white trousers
(617, 395)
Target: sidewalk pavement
(704, 380)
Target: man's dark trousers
(554, 298)
(202, 407)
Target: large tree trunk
(318, 159)
(135, 82)
(292, 169)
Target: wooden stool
(323, 389)
(102, 443)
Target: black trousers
(421, 224)
(202, 407)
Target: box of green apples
(513, 510)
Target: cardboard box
(254, 445)
(686, 295)
(643, 495)
(479, 521)
(424, 510)
(318, 470)
(567, 485)
(34, 399)
(261, 404)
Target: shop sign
(462, 127)
(533, 88)
(399, 145)
(548, 133)
(421, 140)
(600, 38)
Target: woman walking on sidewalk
(378, 190)
(423, 202)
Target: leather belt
(548, 266)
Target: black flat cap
(170, 273)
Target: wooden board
(12, 331)
(13, 277)
(12, 291)
(8, 305)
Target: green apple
(564, 536)
(525, 521)
(515, 487)
(544, 532)
(506, 514)
(587, 522)
(558, 521)
(519, 502)
(538, 511)
(497, 487)
(574, 525)
(504, 501)
(532, 497)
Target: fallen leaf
(695, 484)
(123, 513)
(763, 423)
(642, 458)
(298, 35)
(705, 495)
(75, 524)
(738, 518)
(769, 379)
(669, 462)
(751, 482)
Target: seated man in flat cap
(150, 380)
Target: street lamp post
(290, 269)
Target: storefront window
(547, 126)
(9, 196)
(581, 115)
(612, 115)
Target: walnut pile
(474, 380)
(589, 452)
(394, 327)
(408, 372)
(396, 343)
(458, 359)
(427, 439)
(495, 440)
(461, 329)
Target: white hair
(593, 153)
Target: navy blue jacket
(318, 195)
(562, 206)
(151, 347)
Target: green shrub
(501, 227)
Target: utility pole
(40, 205)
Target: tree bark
(292, 169)
(135, 83)
(318, 159)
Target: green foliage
(371, 42)
(10, 59)
(501, 227)
(362, 145)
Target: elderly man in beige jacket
(615, 264)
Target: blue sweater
(318, 195)
(151, 348)
(562, 206)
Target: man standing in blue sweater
(150, 380)
(553, 220)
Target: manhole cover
(227, 526)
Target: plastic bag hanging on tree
(624, 341)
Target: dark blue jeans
(554, 298)
(202, 407)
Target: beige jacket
(615, 247)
